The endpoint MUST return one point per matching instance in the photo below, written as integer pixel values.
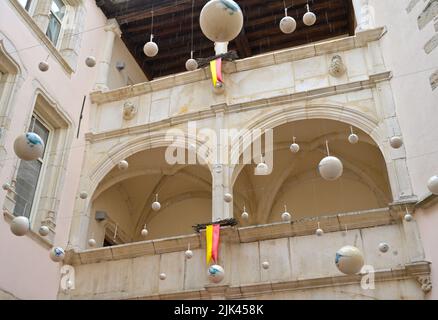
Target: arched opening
(125, 197)
(295, 180)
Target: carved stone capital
(426, 283)
(129, 110)
(337, 67)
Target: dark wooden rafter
(261, 34)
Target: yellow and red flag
(212, 235)
(216, 71)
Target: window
(28, 174)
(26, 4)
(56, 17)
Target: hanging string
(193, 14)
(152, 22)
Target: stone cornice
(264, 60)
(252, 105)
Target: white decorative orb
(188, 254)
(228, 197)
(288, 25)
(262, 169)
(150, 49)
(309, 19)
(244, 216)
(330, 168)
(349, 260)
(265, 265)
(83, 195)
(191, 65)
(90, 61)
(432, 185)
(163, 276)
(319, 232)
(383, 247)
(144, 233)
(43, 66)
(353, 138)
(6, 186)
(409, 217)
(295, 148)
(57, 254)
(156, 206)
(396, 142)
(29, 146)
(216, 273)
(221, 20)
(285, 216)
(44, 231)
(20, 226)
(92, 243)
(219, 88)
(123, 165)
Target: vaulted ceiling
(173, 20)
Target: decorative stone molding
(129, 110)
(337, 67)
(426, 283)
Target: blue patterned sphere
(349, 260)
(57, 254)
(216, 273)
(29, 146)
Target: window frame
(57, 44)
(32, 6)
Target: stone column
(41, 14)
(112, 30)
(365, 15)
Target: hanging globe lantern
(396, 142)
(43, 66)
(216, 273)
(191, 64)
(383, 247)
(163, 276)
(6, 187)
(20, 226)
(349, 260)
(285, 216)
(432, 185)
(228, 197)
(151, 48)
(221, 20)
(188, 254)
(123, 165)
(144, 232)
(319, 232)
(29, 146)
(90, 61)
(44, 231)
(57, 254)
(294, 147)
(309, 17)
(330, 168)
(265, 265)
(156, 205)
(353, 138)
(92, 243)
(408, 217)
(244, 216)
(288, 25)
(83, 195)
(262, 169)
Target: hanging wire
(193, 14)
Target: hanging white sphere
(219, 88)
(221, 20)
(309, 19)
(57, 254)
(83, 195)
(396, 142)
(216, 273)
(188, 254)
(20, 226)
(265, 265)
(163, 276)
(144, 233)
(29, 146)
(383, 247)
(349, 260)
(44, 231)
(123, 165)
(90, 61)
(262, 168)
(150, 49)
(353, 138)
(92, 243)
(408, 217)
(244, 216)
(191, 64)
(294, 147)
(156, 206)
(319, 232)
(330, 168)
(286, 217)
(6, 186)
(288, 25)
(43, 66)
(228, 197)
(432, 185)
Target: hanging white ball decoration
(156, 206)
(288, 25)
(44, 231)
(319, 232)
(408, 217)
(144, 232)
(163, 276)
(383, 247)
(83, 195)
(349, 260)
(6, 187)
(286, 217)
(244, 216)
(294, 147)
(150, 49)
(262, 168)
(29, 146)
(191, 64)
(43, 66)
(57, 254)
(92, 243)
(353, 138)
(188, 254)
(20, 226)
(216, 273)
(432, 185)
(309, 18)
(90, 61)
(396, 142)
(123, 165)
(330, 168)
(265, 265)
(221, 20)
(228, 197)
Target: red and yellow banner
(212, 235)
(216, 71)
